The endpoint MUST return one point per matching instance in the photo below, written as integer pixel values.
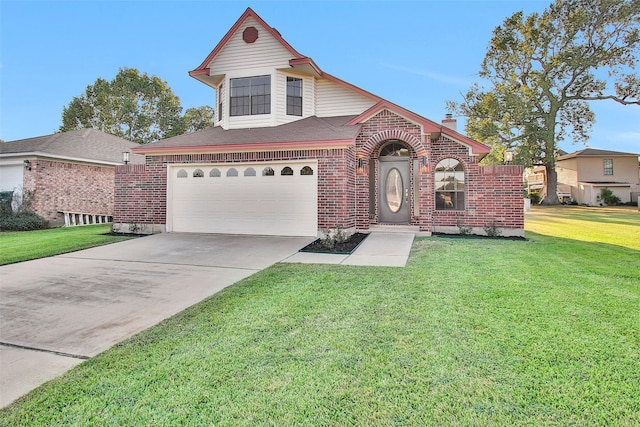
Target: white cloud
(439, 77)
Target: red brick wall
(141, 190)
(492, 193)
(61, 186)
(374, 134)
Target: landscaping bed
(477, 236)
(342, 248)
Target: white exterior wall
(624, 169)
(335, 100)
(308, 106)
(266, 56)
(11, 175)
(265, 52)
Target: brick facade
(493, 194)
(74, 187)
(141, 190)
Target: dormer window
(250, 96)
(294, 96)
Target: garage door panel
(272, 205)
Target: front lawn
(17, 246)
(472, 332)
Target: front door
(393, 202)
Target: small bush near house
(535, 198)
(22, 221)
(608, 198)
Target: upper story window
(608, 166)
(294, 96)
(220, 104)
(250, 95)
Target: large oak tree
(135, 106)
(545, 69)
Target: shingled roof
(311, 131)
(590, 152)
(81, 145)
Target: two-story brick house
(296, 150)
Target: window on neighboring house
(449, 184)
(250, 96)
(294, 96)
(608, 166)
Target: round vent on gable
(250, 34)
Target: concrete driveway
(56, 312)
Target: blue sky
(416, 54)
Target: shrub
(535, 198)
(608, 198)
(492, 229)
(23, 221)
(330, 238)
(464, 231)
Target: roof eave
(246, 147)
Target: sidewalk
(379, 249)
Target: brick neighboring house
(71, 172)
(296, 150)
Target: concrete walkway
(379, 249)
(57, 312)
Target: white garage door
(278, 199)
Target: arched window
(394, 148)
(182, 173)
(306, 171)
(249, 172)
(449, 184)
(268, 171)
(286, 171)
(214, 173)
(198, 173)
(232, 172)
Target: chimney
(449, 122)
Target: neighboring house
(296, 151)
(71, 172)
(584, 173)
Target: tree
(544, 70)
(199, 118)
(135, 106)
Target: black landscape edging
(478, 236)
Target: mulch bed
(340, 248)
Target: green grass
(471, 332)
(17, 246)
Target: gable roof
(311, 132)
(428, 126)
(247, 13)
(297, 62)
(305, 64)
(88, 145)
(593, 152)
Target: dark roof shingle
(304, 130)
(84, 144)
